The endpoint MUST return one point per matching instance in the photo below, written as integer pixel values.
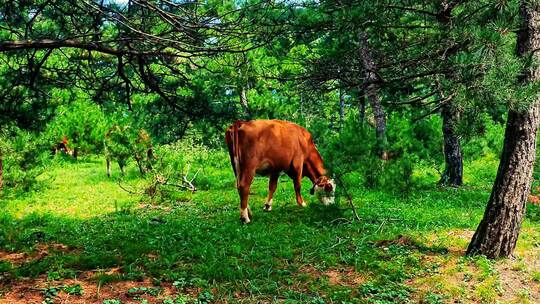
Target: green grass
(196, 241)
(79, 190)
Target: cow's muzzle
(325, 193)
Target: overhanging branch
(6, 46)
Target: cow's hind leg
(271, 189)
(243, 189)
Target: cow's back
(269, 143)
(268, 134)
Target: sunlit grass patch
(475, 279)
(488, 290)
(77, 190)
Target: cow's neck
(315, 169)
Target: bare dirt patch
(344, 276)
(42, 250)
(517, 285)
(534, 199)
(400, 241)
(15, 258)
(31, 291)
(462, 280)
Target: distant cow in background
(122, 143)
(268, 147)
(62, 147)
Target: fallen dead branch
(159, 180)
(347, 196)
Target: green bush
(82, 123)
(24, 158)
(352, 153)
(187, 159)
(123, 143)
(488, 140)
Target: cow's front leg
(243, 189)
(297, 188)
(297, 180)
(271, 189)
(296, 175)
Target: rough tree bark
(453, 159)
(453, 172)
(497, 234)
(372, 94)
(362, 110)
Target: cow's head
(324, 188)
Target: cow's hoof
(267, 208)
(245, 215)
(303, 204)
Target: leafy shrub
(352, 153)
(181, 166)
(82, 123)
(125, 142)
(24, 158)
(487, 141)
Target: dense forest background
(404, 82)
(403, 98)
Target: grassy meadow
(81, 238)
(395, 95)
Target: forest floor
(80, 238)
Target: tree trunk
(453, 172)
(302, 115)
(380, 120)
(497, 234)
(244, 101)
(362, 110)
(372, 93)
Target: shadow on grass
(207, 244)
(287, 254)
(178, 243)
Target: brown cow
(268, 147)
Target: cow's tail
(236, 151)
